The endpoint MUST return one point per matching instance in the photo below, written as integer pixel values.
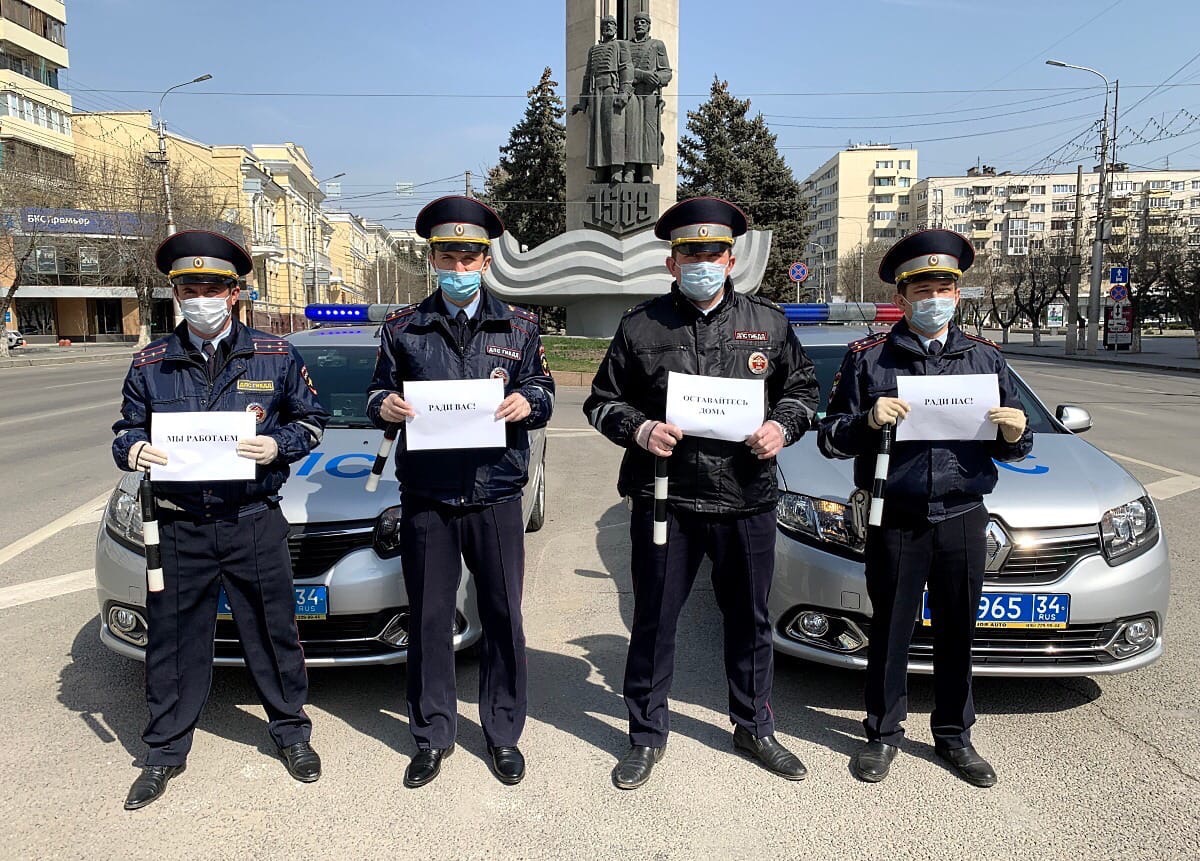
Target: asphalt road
(1099, 768)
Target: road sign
(1119, 293)
(253, 295)
(1118, 275)
(798, 271)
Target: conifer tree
(729, 155)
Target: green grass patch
(574, 354)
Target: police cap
(933, 253)
(701, 225)
(457, 223)
(202, 255)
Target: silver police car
(1077, 578)
(344, 541)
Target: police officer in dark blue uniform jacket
(221, 533)
(721, 495)
(465, 504)
(934, 520)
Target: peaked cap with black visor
(202, 257)
(458, 223)
(701, 225)
(934, 253)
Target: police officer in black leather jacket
(722, 494)
(463, 504)
(934, 520)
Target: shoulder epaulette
(763, 300)
(400, 312)
(523, 313)
(982, 340)
(640, 306)
(150, 354)
(867, 342)
(271, 346)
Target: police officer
(218, 534)
(934, 519)
(461, 504)
(722, 495)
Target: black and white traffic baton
(660, 501)
(883, 460)
(154, 571)
(385, 449)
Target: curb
(1089, 360)
(43, 361)
(572, 378)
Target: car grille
(1073, 645)
(352, 634)
(315, 552)
(1043, 556)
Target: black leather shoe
(425, 766)
(507, 764)
(971, 767)
(634, 768)
(150, 785)
(773, 756)
(872, 763)
(302, 761)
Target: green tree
(529, 185)
(729, 155)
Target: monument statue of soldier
(643, 115)
(606, 90)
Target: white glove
(260, 449)
(142, 456)
(1011, 421)
(887, 411)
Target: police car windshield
(341, 374)
(828, 358)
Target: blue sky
(799, 62)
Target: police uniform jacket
(419, 343)
(255, 372)
(939, 479)
(740, 335)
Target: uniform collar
(179, 341)
(471, 307)
(954, 341)
(687, 306)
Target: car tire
(537, 517)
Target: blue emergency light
(842, 312)
(334, 313)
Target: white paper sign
(949, 407)
(202, 446)
(454, 414)
(715, 407)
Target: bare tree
(849, 278)
(1182, 294)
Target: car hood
(1064, 482)
(328, 484)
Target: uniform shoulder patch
(981, 340)
(400, 312)
(763, 300)
(271, 346)
(151, 353)
(523, 313)
(867, 342)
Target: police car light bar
(843, 312)
(334, 313)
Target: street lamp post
(312, 232)
(821, 247)
(1093, 327)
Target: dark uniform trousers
(437, 539)
(249, 556)
(903, 556)
(742, 549)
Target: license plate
(1016, 610)
(312, 602)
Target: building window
(997, 227)
(1158, 202)
(961, 191)
(1060, 224)
(885, 181)
(45, 260)
(1037, 225)
(1177, 186)
(1037, 207)
(905, 182)
(89, 260)
(1063, 206)
(885, 198)
(1037, 189)
(905, 164)
(884, 216)
(1064, 189)
(883, 165)
(961, 209)
(1175, 203)
(1001, 191)
(903, 201)
(902, 216)
(1157, 184)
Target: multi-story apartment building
(35, 112)
(859, 196)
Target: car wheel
(537, 517)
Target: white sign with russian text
(202, 446)
(454, 414)
(715, 407)
(949, 407)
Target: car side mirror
(1073, 418)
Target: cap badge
(459, 230)
(757, 363)
(933, 260)
(198, 262)
(703, 231)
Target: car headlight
(818, 519)
(385, 541)
(123, 519)
(1128, 529)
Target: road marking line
(33, 417)
(82, 383)
(50, 587)
(1157, 466)
(1178, 484)
(1123, 410)
(1099, 383)
(85, 513)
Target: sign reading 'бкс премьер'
(38, 220)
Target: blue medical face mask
(930, 316)
(458, 286)
(701, 281)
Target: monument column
(583, 22)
